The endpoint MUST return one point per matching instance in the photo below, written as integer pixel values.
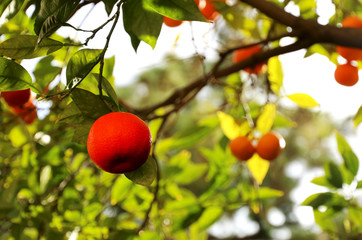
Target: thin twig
(108, 39)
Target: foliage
(50, 189)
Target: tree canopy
(192, 186)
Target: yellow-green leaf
(358, 117)
(275, 72)
(303, 100)
(230, 127)
(266, 119)
(258, 168)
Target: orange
(347, 52)
(171, 22)
(207, 9)
(119, 142)
(270, 146)
(346, 74)
(352, 21)
(26, 111)
(242, 148)
(16, 98)
(242, 54)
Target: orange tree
(50, 188)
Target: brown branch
(350, 37)
(275, 12)
(262, 57)
(199, 83)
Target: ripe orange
(207, 9)
(270, 146)
(119, 142)
(171, 22)
(352, 21)
(242, 148)
(347, 52)
(16, 98)
(346, 74)
(26, 111)
(242, 54)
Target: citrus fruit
(119, 142)
(270, 146)
(352, 21)
(26, 111)
(171, 22)
(346, 74)
(242, 148)
(16, 98)
(207, 9)
(347, 52)
(242, 54)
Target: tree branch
(349, 37)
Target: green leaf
(145, 174)
(317, 48)
(276, 75)
(188, 139)
(120, 189)
(17, 136)
(14, 77)
(318, 199)
(192, 216)
(358, 117)
(186, 10)
(72, 216)
(209, 216)
(303, 100)
(82, 130)
(350, 159)
(70, 114)
(45, 72)
(12, 9)
(182, 170)
(283, 121)
(348, 177)
(106, 86)
(322, 181)
(141, 23)
(109, 4)
(89, 104)
(26, 47)
(45, 176)
(265, 193)
(333, 174)
(266, 119)
(359, 184)
(80, 65)
(52, 15)
(3, 5)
